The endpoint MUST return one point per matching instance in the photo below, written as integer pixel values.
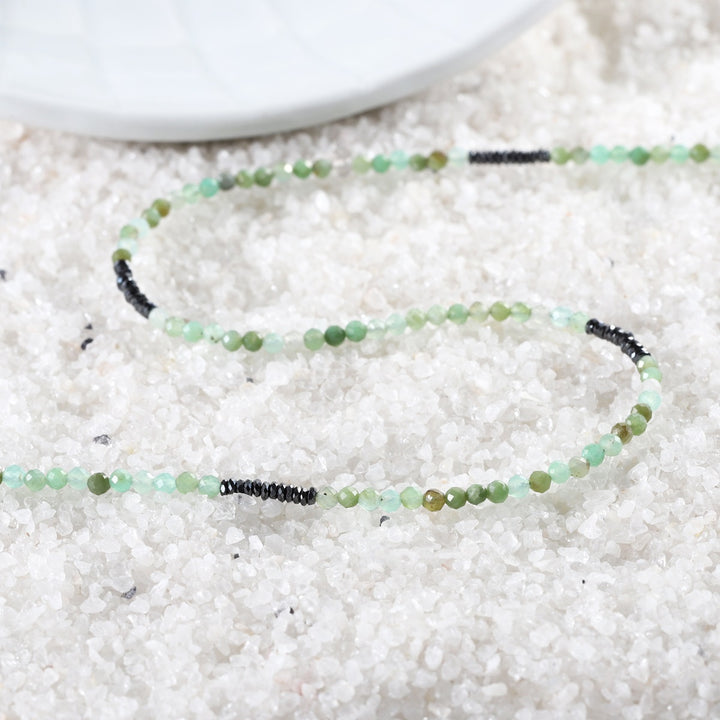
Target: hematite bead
(312, 496)
(272, 491)
(256, 488)
(264, 492)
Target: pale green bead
(457, 314)
(651, 373)
(499, 311)
(389, 500)
(13, 476)
(579, 467)
(129, 244)
(121, 481)
(326, 498)
(520, 312)
(34, 480)
(611, 444)
(559, 472)
(192, 331)
(347, 497)
(436, 315)
(659, 154)
(164, 482)
(650, 398)
(599, 154)
(375, 329)
(479, 312)
(560, 316)
(191, 193)
(368, 499)
(579, 155)
(360, 165)
(679, 153)
(77, 478)
(213, 332)
(283, 172)
(715, 153)
(209, 485)
(186, 482)
(314, 339)
(458, 156)
(415, 319)
(395, 324)
(208, 187)
(129, 231)
(142, 226)
(518, 486)
(232, 340)
(399, 159)
(56, 478)
(594, 454)
(619, 154)
(645, 362)
(174, 326)
(411, 498)
(157, 318)
(142, 482)
(273, 343)
(578, 321)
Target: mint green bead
(142, 482)
(121, 481)
(619, 154)
(347, 497)
(209, 485)
(213, 333)
(637, 423)
(77, 478)
(314, 339)
(579, 155)
(322, 168)
(157, 318)
(476, 494)
(458, 314)
(368, 499)
(128, 245)
(458, 157)
(559, 472)
(13, 476)
(650, 398)
(647, 361)
(455, 498)
(499, 311)
(415, 319)
(578, 321)
(360, 165)
(326, 498)
(539, 481)
(559, 155)
(142, 225)
(659, 154)
(273, 343)
(520, 312)
(164, 482)
(244, 179)
(497, 492)
(417, 162)
(436, 315)
(98, 483)
(262, 177)
(560, 316)
(395, 324)
(302, 169)
(232, 340)
(355, 331)
(334, 336)
(611, 444)
(399, 159)
(34, 480)
(679, 153)
(477, 311)
(251, 341)
(715, 153)
(651, 373)
(186, 482)
(190, 193)
(579, 467)
(208, 187)
(56, 478)
(639, 155)
(376, 329)
(594, 454)
(174, 326)
(192, 331)
(381, 163)
(389, 500)
(282, 172)
(699, 153)
(518, 486)
(129, 232)
(599, 154)
(411, 498)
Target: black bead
(122, 268)
(281, 493)
(272, 491)
(311, 496)
(264, 493)
(296, 495)
(256, 488)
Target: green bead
(157, 318)
(458, 157)
(637, 423)
(355, 331)
(650, 398)
(121, 254)
(273, 343)
(129, 232)
(302, 170)
(360, 165)
(282, 172)
(579, 155)
(479, 312)
(618, 154)
(34, 480)
(209, 485)
(560, 316)
(128, 244)
(411, 498)
(334, 336)
(651, 373)
(559, 472)
(699, 153)
(437, 160)
(326, 498)
(226, 182)
(646, 361)
(162, 206)
(322, 168)
(579, 467)
(399, 159)
(186, 482)
(639, 155)
(559, 155)
(192, 331)
(436, 315)
(433, 500)
(389, 500)
(13, 476)
(56, 478)
(520, 312)
(417, 162)
(457, 313)
(644, 410)
(395, 324)
(376, 329)
(623, 432)
(455, 497)
(611, 444)
(262, 177)
(174, 326)
(368, 499)
(213, 333)
(244, 179)
(314, 339)
(208, 187)
(381, 164)
(497, 492)
(164, 482)
(415, 319)
(98, 483)
(578, 321)
(252, 341)
(518, 486)
(659, 154)
(715, 153)
(476, 494)
(594, 454)
(499, 311)
(348, 497)
(231, 340)
(539, 481)
(142, 482)
(121, 481)
(599, 154)
(77, 478)
(191, 193)
(679, 153)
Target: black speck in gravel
(85, 343)
(102, 439)
(129, 593)
(384, 518)
(236, 556)
(292, 611)
(3, 275)
(249, 379)
(88, 326)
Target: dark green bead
(121, 254)
(455, 497)
(244, 179)
(623, 432)
(437, 160)
(355, 331)
(433, 500)
(1, 477)
(252, 341)
(151, 217)
(539, 481)
(334, 335)
(322, 168)
(226, 181)
(263, 177)
(381, 164)
(644, 410)
(162, 206)
(476, 494)
(417, 162)
(302, 170)
(98, 483)
(639, 155)
(497, 492)
(699, 153)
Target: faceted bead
(151, 217)
(518, 486)
(559, 155)
(121, 254)
(13, 476)
(579, 155)
(213, 333)
(322, 168)
(360, 165)
(376, 329)
(479, 312)
(539, 481)
(186, 482)
(273, 343)
(162, 206)
(455, 497)
(252, 341)
(499, 311)
(578, 321)
(262, 177)
(611, 444)
(209, 485)
(121, 481)
(497, 491)
(389, 500)
(192, 331)
(301, 169)
(77, 478)
(458, 156)
(651, 373)
(560, 316)
(98, 483)
(326, 498)
(334, 336)
(650, 398)
(618, 154)
(699, 153)
(457, 313)
(282, 172)
(157, 318)
(368, 499)
(208, 187)
(190, 193)
(659, 154)
(399, 159)
(355, 331)
(476, 494)
(559, 472)
(411, 498)
(244, 179)
(142, 482)
(174, 326)
(679, 153)
(594, 454)
(436, 315)
(226, 181)
(437, 160)
(637, 423)
(381, 163)
(56, 478)
(348, 497)
(232, 340)
(599, 154)
(34, 480)
(623, 432)
(395, 324)
(164, 482)
(646, 361)
(314, 339)
(644, 410)
(415, 319)
(433, 500)
(520, 312)
(639, 155)
(579, 467)
(417, 162)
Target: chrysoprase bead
(518, 486)
(129, 232)
(520, 312)
(121, 254)
(699, 153)
(314, 339)
(411, 498)
(559, 155)
(644, 410)
(368, 499)
(355, 331)
(162, 206)
(142, 225)
(334, 336)
(232, 340)
(326, 498)
(98, 483)
(322, 168)
(499, 311)
(273, 343)
(213, 332)
(209, 485)
(151, 217)
(497, 492)
(262, 177)
(13, 476)
(252, 341)
(476, 494)
(477, 311)
(651, 373)
(399, 159)
(186, 482)
(559, 472)
(599, 154)
(611, 444)
(360, 165)
(142, 482)
(433, 500)
(579, 155)
(121, 481)
(417, 162)
(226, 181)
(376, 329)
(455, 497)
(650, 398)
(646, 361)
(458, 156)
(56, 478)
(157, 318)
(579, 467)
(347, 497)
(637, 423)
(436, 315)
(457, 313)
(659, 154)
(34, 480)
(415, 319)
(77, 478)
(208, 187)
(619, 153)
(639, 155)
(164, 482)
(381, 163)
(190, 193)
(244, 179)
(389, 500)
(283, 172)
(174, 326)
(437, 160)
(578, 321)
(395, 324)
(594, 454)
(560, 316)
(302, 169)
(192, 331)
(679, 153)
(623, 432)
(539, 481)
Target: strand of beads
(600, 154)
